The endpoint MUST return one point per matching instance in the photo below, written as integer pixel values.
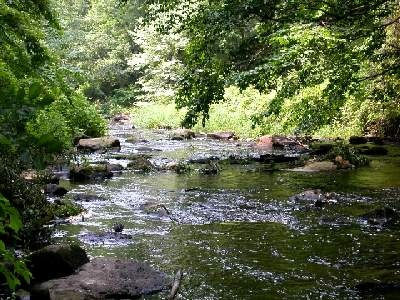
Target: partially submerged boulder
(105, 278)
(317, 197)
(224, 135)
(90, 173)
(96, 144)
(182, 134)
(267, 142)
(121, 119)
(140, 163)
(56, 261)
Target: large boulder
(105, 278)
(121, 119)
(96, 144)
(182, 134)
(56, 261)
(225, 135)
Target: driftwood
(176, 285)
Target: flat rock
(106, 237)
(95, 144)
(105, 278)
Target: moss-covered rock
(90, 173)
(141, 163)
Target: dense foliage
(320, 58)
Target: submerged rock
(56, 261)
(88, 198)
(382, 216)
(103, 237)
(182, 134)
(118, 227)
(95, 144)
(317, 197)
(317, 166)
(379, 288)
(105, 278)
(212, 168)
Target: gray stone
(105, 278)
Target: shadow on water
(238, 234)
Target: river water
(239, 234)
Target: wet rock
(118, 227)
(358, 140)
(317, 197)
(54, 190)
(182, 134)
(375, 151)
(141, 163)
(227, 135)
(96, 144)
(103, 237)
(105, 278)
(56, 261)
(87, 198)
(316, 166)
(279, 142)
(90, 173)
(22, 295)
(382, 216)
(114, 168)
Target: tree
(341, 48)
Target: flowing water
(239, 234)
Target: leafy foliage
(327, 50)
(11, 269)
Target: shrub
(11, 269)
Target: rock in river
(96, 144)
(182, 134)
(56, 261)
(88, 173)
(105, 278)
(226, 135)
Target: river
(239, 234)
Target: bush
(11, 269)
(349, 153)
(55, 127)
